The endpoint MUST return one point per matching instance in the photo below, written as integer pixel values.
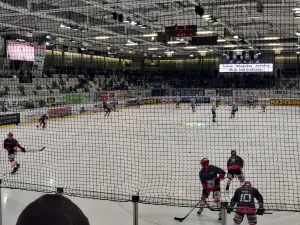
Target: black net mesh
(66, 59)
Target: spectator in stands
(52, 210)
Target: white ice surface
(155, 151)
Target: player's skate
(15, 169)
(202, 205)
(220, 217)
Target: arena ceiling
(90, 24)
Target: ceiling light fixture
(152, 49)
(205, 32)
(133, 23)
(48, 36)
(62, 26)
(271, 38)
(101, 37)
(221, 40)
(296, 9)
(229, 46)
(190, 47)
(203, 51)
(206, 16)
(174, 42)
(274, 44)
(297, 33)
(150, 35)
(131, 44)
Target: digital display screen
(181, 31)
(22, 51)
(247, 68)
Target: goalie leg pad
(252, 219)
(238, 218)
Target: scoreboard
(181, 31)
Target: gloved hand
(221, 176)
(260, 211)
(23, 150)
(229, 210)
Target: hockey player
(218, 100)
(235, 165)
(11, 145)
(210, 177)
(244, 198)
(263, 106)
(177, 102)
(138, 102)
(82, 110)
(234, 109)
(107, 108)
(114, 103)
(251, 101)
(255, 101)
(193, 104)
(43, 121)
(214, 114)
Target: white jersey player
(250, 101)
(177, 102)
(264, 105)
(114, 103)
(193, 104)
(218, 100)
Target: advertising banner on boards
(7, 119)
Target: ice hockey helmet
(248, 183)
(204, 162)
(233, 152)
(10, 135)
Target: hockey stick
(180, 219)
(213, 209)
(38, 150)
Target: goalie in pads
(210, 177)
(244, 199)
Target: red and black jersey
(209, 177)
(244, 198)
(43, 119)
(11, 143)
(235, 162)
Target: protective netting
(66, 58)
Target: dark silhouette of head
(52, 210)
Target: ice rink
(156, 151)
